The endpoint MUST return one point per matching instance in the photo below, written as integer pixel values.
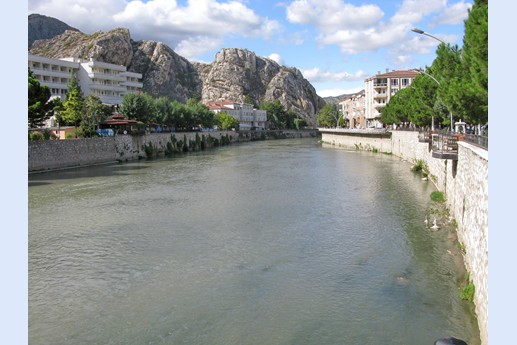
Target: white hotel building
(248, 117)
(379, 89)
(107, 81)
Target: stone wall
(465, 184)
(59, 154)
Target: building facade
(378, 91)
(249, 118)
(353, 110)
(107, 81)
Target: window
(405, 82)
(394, 82)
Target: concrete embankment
(465, 184)
(60, 154)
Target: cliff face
(43, 27)
(113, 46)
(235, 73)
(165, 73)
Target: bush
(35, 136)
(421, 168)
(467, 293)
(437, 196)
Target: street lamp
(422, 32)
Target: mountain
(234, 74)
(43, 27)
(340, 98)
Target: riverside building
(107, 81)
(378, 91)
(249, 118)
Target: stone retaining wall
(465, 184)
(59, 154)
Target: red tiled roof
(395, 74)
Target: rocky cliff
(43, 27)
(235, 73)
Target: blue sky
(336, 44)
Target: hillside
(234, 74)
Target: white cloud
(356, 29)
(413, 11)
(454, 14)
(277, 58)
(332, 14)
(194, 28)
(338, 92)
(195, 46)
(315, 75)
(79, 14)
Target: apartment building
(107, 81)
(353, 110)
(249, 118)
(378, 91)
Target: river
(271, 242)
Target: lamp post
(422, 32)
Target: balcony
(106, 76)
(445, 146)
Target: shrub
(437, 196)
(467, 293)
(420, 167)
(35, 136)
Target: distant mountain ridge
(234, 74)
(340, 98)
(42, 27)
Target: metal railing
(477, 140)
(445, 146)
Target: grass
(437, 196)
(420, 167)
(467, 293)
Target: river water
(272, 242)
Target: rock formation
(234, 75)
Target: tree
(94, 113)
(475, 62)
(40, 107)
(163, 110)
(73, 107)
(328, 116)
(277, 116)
(139, 107)
(248, 99)
(201, 115)
(226, 121)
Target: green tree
(73, 107)
(328, 116)
(163, 110)
(139, 107)
(201, 115)
(475, 63)
(248, 99)
(183, 117)
(40, 106)
(94, 113)
(277, 116)
(226, 121)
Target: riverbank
(464, 183)
(61, 154)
